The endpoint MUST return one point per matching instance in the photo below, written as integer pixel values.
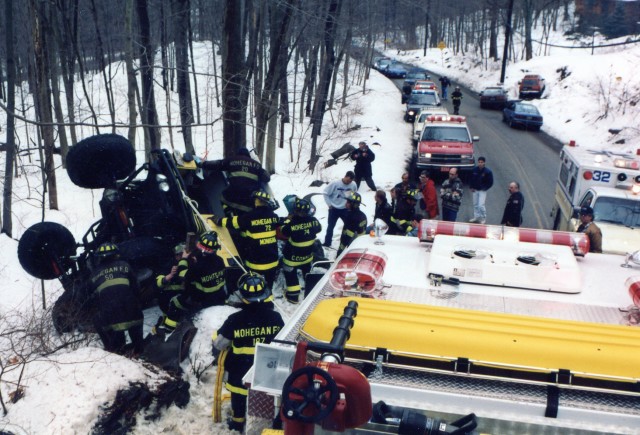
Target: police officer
(204, 281)
(257, 245)
(116, 301)
(405, 214)
(456, 98)
(355, 222)
(244, 175)
(256, 322)
(300, 230)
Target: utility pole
(507, 37)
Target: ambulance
(607, 181)
(445, 143)
(465, 329)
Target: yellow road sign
(442, 45)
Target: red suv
(531, 86)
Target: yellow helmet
(253, 288)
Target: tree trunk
(41, 34)
(180, 10)
(193, 71)
(325, 78)
(132, 83)
(53, 66)
(149, 113)
(67, 64)
(7, 190)
(234, 78)
(103, 66)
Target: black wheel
(309, 395)
(98, 161)
(44, 250)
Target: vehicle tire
(510, 123)
(45, 248)
(98, 161)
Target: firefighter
(300, 231)
(456, 98)
(170, 285)
(244, 175)
(204, 282)
(256, 322)
(115, 298)
(355, 222)
(257, 243)
(405, 214)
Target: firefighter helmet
(208, 242)
(107, 249)
(412, 194)
(355, 199)
(261, 195)
(253, 288)
(303, 206)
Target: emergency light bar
(446, 118)
(429, 229)
(626, 164)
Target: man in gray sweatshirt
(335, 195)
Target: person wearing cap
(202, 273)
(257, 244)
(399, 189)
(300, 230)
(480, 181)
(256, 322)
(355, 222)
(244, 176)
(429, 202)
(363, 157)
(335, 195)
(115, 299)
(589, 227)
(512, 215)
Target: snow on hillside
(63, 393)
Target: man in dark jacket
(363, 157)
(257, 245)
(300, 230)
(202, 273)
(512, 216)
(456, 98)
(444, 84)
(244, 176)
(115, 298)
(451, 194)
(589, 227)
(480, 181)
(355, 222)
(383, 211)
(256, 322)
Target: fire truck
(446, 143)
(606, 181)
(465, 329)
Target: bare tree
(7, 226)
(180, 11)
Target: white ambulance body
(608, 182)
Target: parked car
(418, 124)
(382, 63)
(518, 113)
(394, 70)
(493, 97)
(531, 86)
(418, 100)
(415, 75)
(424, 84)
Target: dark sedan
(394, 70)
(517, 113)
(493, 98)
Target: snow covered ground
(62, 392)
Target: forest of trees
(60, 58)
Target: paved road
(531, 158)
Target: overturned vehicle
(146, 211)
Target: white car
(418, 123)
